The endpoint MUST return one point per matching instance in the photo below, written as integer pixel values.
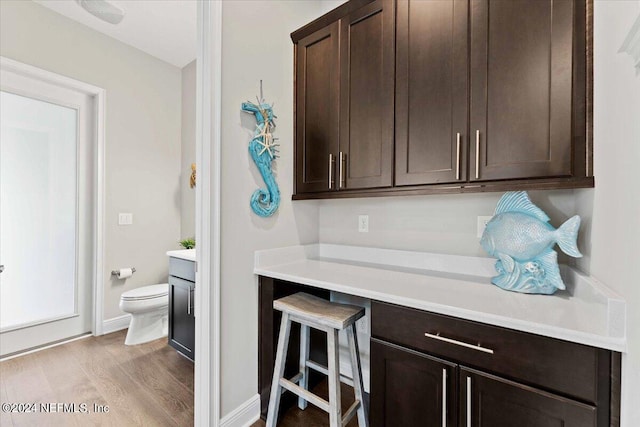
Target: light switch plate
(482, 223)
(125, 218)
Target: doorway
(47, 207)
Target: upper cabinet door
(431, 92)
(317, 115)
(521, 88)
(366, 97)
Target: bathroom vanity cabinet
(182, 277)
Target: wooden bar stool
(317, 313)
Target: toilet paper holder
(117, 272)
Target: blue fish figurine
(520, 236)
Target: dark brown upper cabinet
(522, 77)
(431, 92)
(397, 97)
(317, 103)
(366, 97)
(344, 102)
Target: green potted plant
(189, 243)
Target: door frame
(98, 96)
(208, 149)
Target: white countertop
(587, 312)
(188, 254)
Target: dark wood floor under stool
(312, 416)
(143, 385)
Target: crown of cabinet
(415, 97)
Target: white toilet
(149, 309)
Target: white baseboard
(244, 415)
(116, 323)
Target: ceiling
(165, 29)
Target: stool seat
(330, 317)
(318, 311)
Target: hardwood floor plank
(127, 399)
(143, 385)
(148, 367)
(25, 382)
(5, 417)
(181, 368)
(71, 384)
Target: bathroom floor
(144, 385)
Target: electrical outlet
(125, 218)
(482, 223)
(363, 223)
(362, 325)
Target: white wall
(612, 209)
(142, 134)
(255, 45)
(188, 152)
(445, 224)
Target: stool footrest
(324, 370)
(294, 379)
(308, 396)
(350, 412)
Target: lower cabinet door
(181, 318)
(490, 401)
(411, 389)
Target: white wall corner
(116, 324)
(631, 44)
(244, 415)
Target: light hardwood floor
(143, 385)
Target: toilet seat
(146, 292)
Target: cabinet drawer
(182, 268)
(568, 368)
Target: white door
(46, 212)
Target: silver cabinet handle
(341, 159)
(460, 343)
(468, 401)
(330, 171)
(477, 154)
(458, 156)
(189, 301)
(444, 397)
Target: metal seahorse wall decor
(264, 202)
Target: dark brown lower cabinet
(411, 388)
(490, 401)
(434, 370)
